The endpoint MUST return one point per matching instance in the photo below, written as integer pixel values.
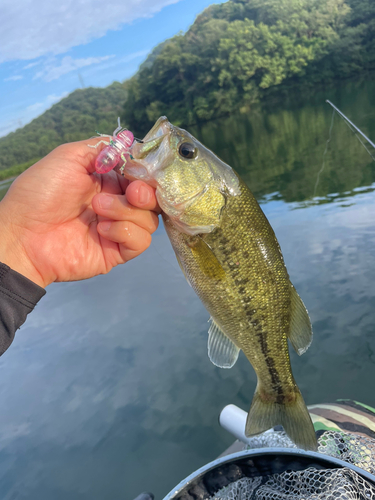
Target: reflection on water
(281, 150)
(108, 391)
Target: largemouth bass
(231, 258)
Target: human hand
(55, 225)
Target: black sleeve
(18, 297)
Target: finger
(111, 184)
(143, 196)
(79, 153)
(123, 181)
(117, 208)
(132, 239)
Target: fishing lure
(116, 150)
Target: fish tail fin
(294, 417)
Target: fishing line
(357, 136)
(354, 129)
(325, 152)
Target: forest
(235, 55)
(75, 117)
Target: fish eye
(187, 150)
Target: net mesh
(311, 483)
(355, 449)
(270, 439)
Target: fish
(230, 256)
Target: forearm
(18, 297)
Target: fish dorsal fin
(221, 350)
(206, 259)
(300, 334)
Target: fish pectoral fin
(206, 259)
(300, 334)
(221, 350)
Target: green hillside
(74, 118)
(240, 52)
(234, 55)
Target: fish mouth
(161, 127)
(143, 159)
(152, 139)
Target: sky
(48, 49)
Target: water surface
(107, 390)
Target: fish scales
(230, 256)
(251, 307)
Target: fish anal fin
(221, 350)
(294, 417)
(300, 334)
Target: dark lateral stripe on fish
(239, 282)
(274, 375)
(270, 362)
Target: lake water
(107, 390)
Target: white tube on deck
(233, 420)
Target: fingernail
(105, 201)
(144, 195)
(104, 226)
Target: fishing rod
(353, 128)
(351, 123)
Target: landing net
(311, 483)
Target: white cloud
(31, 65)
(51, 72)
(38, 107)
(34, 28)
(13, 78)
(28, 113)
(118, 61)
(10, 125)
(134, 55)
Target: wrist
(13, 253)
